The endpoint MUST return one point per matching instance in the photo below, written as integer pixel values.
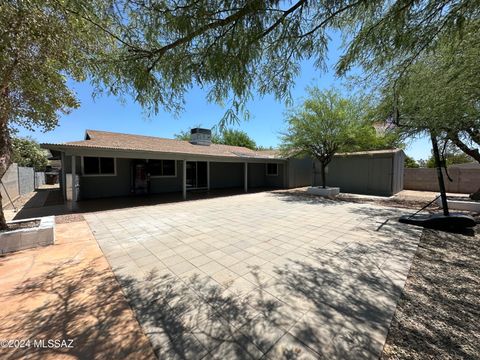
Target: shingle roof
(118, 141)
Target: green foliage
(27, 152)
(451, 158)
(41, 45)
(237, 138)
(439, 93)
(411, 163)
(362, 136)
(226, 137)
(319, 127)
(233, 48)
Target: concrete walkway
(267, 275)
(66, 292)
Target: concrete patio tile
(149, 259)
(200, 260)
(180, 268)
(224, 277)
(211, 267)
(297, 279)
(288, 347)
(172, 260)
(241, 268)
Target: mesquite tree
(40, 45)
(319, 127)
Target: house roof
(95, 139)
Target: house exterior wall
(107, 186)
(300, 172)
(160, 185)
(257, 176)
(226, 175)
(222, 175)
(378, 174)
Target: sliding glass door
(197, 175)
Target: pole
(441, 183)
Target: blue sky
(264, 126)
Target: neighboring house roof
(117, 141)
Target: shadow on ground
(324, 313)
(46, 202)
(438, 314)
(78, 303)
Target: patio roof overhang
(78, 150)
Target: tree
(235, 47)
(27, 152)
(362, 136)
(237, 138)
(226, 137)
(451, 155)
(439, 95)
(42, 44)
(411, 163)
(319, 127)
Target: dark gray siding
(167, 184)
(107, 186)
(378, 174)
(226, 175)
(300, 172)
(257, 176)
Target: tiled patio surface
(266, 275)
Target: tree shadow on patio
(74, 302)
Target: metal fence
(19, 180)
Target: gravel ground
(68, 218)
(438, 315)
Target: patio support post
(208, 175)
(184, 180)
(245, 180)
(63, 176)
(74, 187)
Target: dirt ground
(439, 312)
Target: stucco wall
(464, 180)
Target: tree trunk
(474, 153)
(5, 160)
(324, 181)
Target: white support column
(63, 176)
(245, 180)
(74, 187)
(208, 175)
(184, 180)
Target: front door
(197, 177)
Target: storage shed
(368, 172)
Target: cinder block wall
(464, 180)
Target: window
(158, 168)
(98, 165)
(272, 169)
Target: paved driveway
(266, 275)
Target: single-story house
(108, 164)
